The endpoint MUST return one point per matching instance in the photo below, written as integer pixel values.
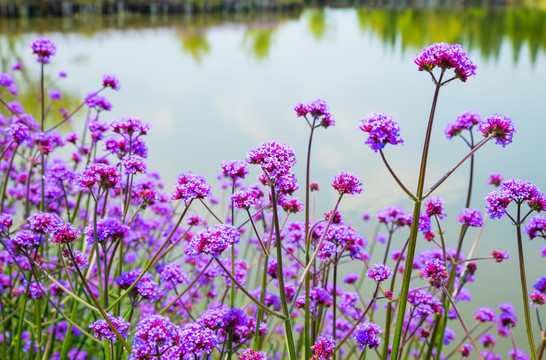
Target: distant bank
(67, 8)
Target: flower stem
(528, 324)
(414, 228)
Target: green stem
(287, 322)
(307, 314)
(414, 228)
(528, 324)
(6, 179)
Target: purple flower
(274, 158)
(244, 199)
(213, 240)
(394, 214)
(536, 227)
(130, 126)
(107, 229)
(19, 132)
(250, 354)
(105, 176)
(173, 272)
(98, 102)
(382, 129)
(16, 66)
(15, 107)
(425, 304)
(537, 298)
(42, 222)
(518, 191)
(366, 335)
(500, 256)
(155, 333)
(501, 127)
(235, 169)
(379, 272)
(149, 290)
(434, 207)
(495, 179)
(55, 94)
(317, 108)
(64, 234)
(134, 164)
(540, 285)
(25, 239)
(7, 81)
(446, 56)
(488, 340)
(196, 339)
(465, 121)
(470, 217)
(485, 314)
(323, 349)
(43, 48)
(128, 278)
(103, 331)
(347, 183)
(189, 186)
(351, 278)
(436, 271)
(518, 354)
(110, 81)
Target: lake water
(212, 87)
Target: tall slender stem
(414, 228)
(528, 324)
(287, 323)
(307, 314)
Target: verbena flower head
(213, 240)
(250, 354)
(97, 102)
(536, 227)
(436, 271)
(485, 314)
(347, 183)
(379, 272)
(134, 164)
(465, 121)
(110, 81)
(41, 222)
(317, 109)
(434, 207)
(500, 256)
(196, 340)
(382, 130)
(133, 127)
(366, 335)
(540, 285)
(244, 199)
(446, 56)
(25, 239)
(190, 186)
(64, 234)
(518, 191)
(518, 354)
(395, 215)
(501, 127)
(154, 333)
(274, 158)
(105, 176)
(495, 179)
(424, 303)
(7, 81)
(470, 217)
(43, 48)
(235, 169)
(103, 331)
(323, 348)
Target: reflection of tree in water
(483, 30)
(194, 41)
(317, 22)
(258, 38)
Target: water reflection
(478, 29)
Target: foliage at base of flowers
(99, 259)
